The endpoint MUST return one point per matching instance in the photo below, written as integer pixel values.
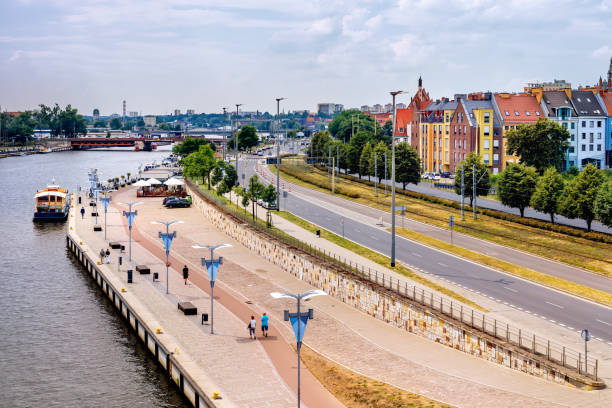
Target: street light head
(213, 247)
(313, 293)
(279, 295)
(280, 99)
(168, 223)
(394, 93)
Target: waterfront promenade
(339, 332)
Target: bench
(115, 245)
(97, 228)
(94, 213)
(143, 269)
(92, 204)
(187, 308)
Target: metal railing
(526, 341)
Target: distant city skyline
(203, 55)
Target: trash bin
(204, 317)
(318, 233)
(122, 248)
(155, 276)
(129, 277)
(79, 199)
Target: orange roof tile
(402, 118)
(518, 108)
(607, 98)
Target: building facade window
(487, 130)
(496, 143)
(486, 145)
(487, 117)
(584, 148)
(599, 148)
(486, 158)
(495, 158)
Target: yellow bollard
(99, 263)
(159, 330)
(123, 290)
(216, 395)
(80, 242)
(70, 227)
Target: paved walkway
(364, 343)
(242, 368)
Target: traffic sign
(586, 335)
(451, 221)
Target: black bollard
(129, 277)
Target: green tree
(255, 191)
(319, 146)
(603, 204)
(540, 145)
(200, 163)
(348, 123)
(247, 137)
(230, 177)
(268, 195)
(19, 128)
(548, 189)
(99, 124)
(355, 148)
(217, 173)
(483, 183)
(578, 197)
(190, 145)
(388, 128)
(516, 185)
(377, 167)
(364, 160)
(115, 123)
(407, 165)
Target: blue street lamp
(167, 239)
(298, 321)
(130, 215)
(96, 192)
(105, 200)
(212, 267)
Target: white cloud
(602, 51)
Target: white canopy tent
(153, 182)
(142, 183)
(174, 182)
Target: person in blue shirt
(264, 325)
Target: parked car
(435, 176)
(445, 174)
(166, 199)
(425, 176)
(178, 202)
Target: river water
(63, 344)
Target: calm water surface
(63, 344)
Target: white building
(149, 120)
(591, 142)
(557, 107)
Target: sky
(161, 55)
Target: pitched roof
(586, 104)
(557, 99)
(402, 118)
(607, 100)
(518, 108)
(470, 105)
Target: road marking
(553, 321)
(552, 304)
(510, 289)
(443, 264)
(561, 324)
(415, 254)
(571, 328)
(373, 237)
(601, 321)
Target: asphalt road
(575, 313)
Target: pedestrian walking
(252, 326)
(264, 325)
(185, 274)
(102, 255)
(107, 256)
(82, 212)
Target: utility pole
(474, 188)
(278, 153)
(224, 135)
(462, 193)
(236, 142)
(393, 94)
(329, 162)
(375, 174)
(338, 161)
(386, 178)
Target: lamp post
(130, 215)
(105, 200)
(278, 152)
(224, 138)
(167, 239)
(298, 322)
(96, 192)
(393, 94)
(236, 141)
(212, 266)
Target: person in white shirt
(251, 326)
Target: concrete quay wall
(143, 326)
(386, 305)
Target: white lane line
(373, 237)
(511, 290)
(601, 321)
(553, 321)
(561, 324)
(552, 304)
(415, 254)
(443, 264)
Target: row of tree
(62, 122)
(588, 196)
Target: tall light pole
(212, 266)
(167, 238)
(236, 142)
(130, 215)
(298, 322)
(224, 135)
(278, 153)
(393, 94)
(105, 200)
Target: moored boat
(52, 203)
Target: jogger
(252, 326)
(264, 325)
